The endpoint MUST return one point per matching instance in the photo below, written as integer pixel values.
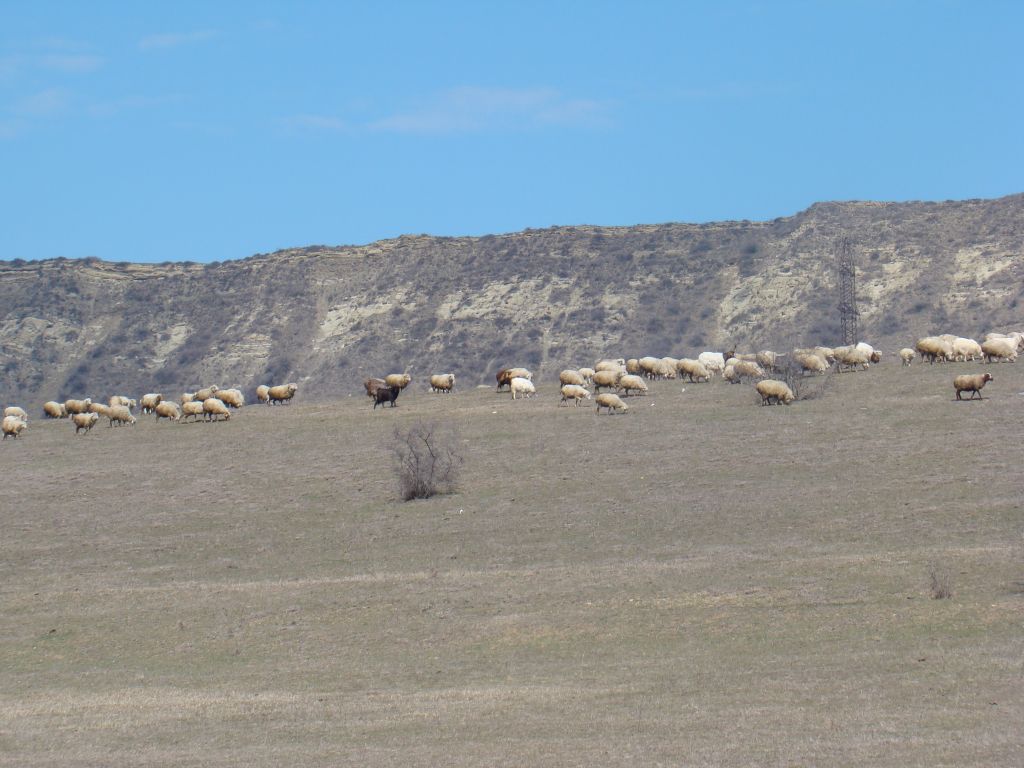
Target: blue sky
(208, 131)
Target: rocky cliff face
(327, 317)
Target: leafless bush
(804, 387)
(941, 583)
(427, 461)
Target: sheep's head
(987, 377)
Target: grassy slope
(701, 581)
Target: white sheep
(587, 374)
(607, 379)
(966, 349)
(187, 397)
(127, 402)
(521, 386)
(99, 409)
(714, 362)
(262, 394)
(1000, 350)
(610, 365)
(205, 393)
(934, 349)
(971, 383)
(231, 397)
(570, 377)
(77, 406)
(611, 402)
(907, 355)
(442, 382)
(14, 410)
(772, 389)
(150, 401)
(400, 380)
(13, 426)
(574, 392)
(693, 369)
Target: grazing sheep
(772, 389)
(630, 383)
(574, 392)
(648, 367)
(610, 365)
(632, 366)
(587, 374)
(747, 369)
(84, 421)
(521, 386)
(231, 397)
(666, 367)
(730, 375)
(386, 394)
(120, 414)
(13, 426)
(150, 401)
(966, 349)
(693, 369)
(767, 359)
(263, 393)
(505, 376)
(282, 393)
(187, 397)
(372, 385)
(165, 409)
(99, 409)
(714, 362)
(933, 349)
(907, 355)
(127, 402)
(611, 402)
(192, 408)
(971, 383)
(1016, 338)
(77, 406)
(214, 408)
(205, 393)
(400, 380)
(1000, 350)
(607, 379)
(852, 358)
(13, 410)
(810, 362)
(442, 382)
(570, 377)
(55, 410)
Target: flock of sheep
(212, 403)
(621, 377)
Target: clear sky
(207, 131)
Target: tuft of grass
(940, 583)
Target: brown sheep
(372, 385)
(205, 393)
(971, 383)
(570, 376)
(386, 394)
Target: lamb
(386, 394)
(521, 386)
(714, 362)
(400, 380)
(165, 409)
(84, 421)
(192, 408)
(262, 393)
(13, 426)
(772, 389)
(99, 408)
(611, 402)
(693, 369)
(77, 406)
(205, 393)
(122, 400)
(55, 410)
(574, 392)
(570, 377)
(150, 401)
(631, 383)
(120, 414)
(214, 408)
(907, 355)
(999, 349)
(231, 397)
(13, 410)
(442, 382)
(971, 383)
(282, 393)
(606, 379)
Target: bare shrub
(941, 583)
(427, 462)
(804, 387)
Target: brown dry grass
(701, 581)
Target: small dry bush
(427, 462)
(941, 583)
(805, 387)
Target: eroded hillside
(327, 317)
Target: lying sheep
(632, 384)
(442, 382)
(573, 392)
(214, 408)
(13, 426)
(282, 393)
(611, 402)
(386, 394)
(907, 355)
(77, 406)
(150, 401)
(14, 410)
(971, 383)
(693, 369)
(1001, 350)
(521, 386)
(263, 393)
(205, 393)
(120, 414)
(165, 409)
(192, 408)
(55, 410)
(231, 397)
(772, 389)
(607, 379)
(400, 380)
(84, 421)
(570, 377)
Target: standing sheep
(231, 397)
(713, 361)
(84, 421)
(55, 410)
(907, 355)
(1000, 350)
(120, 414)
(150, 401)
(13, 426)
(630, 384)
(611, 402)
(77, 406)
(282, 393)
(192, 408)
(693, 369)
(574, 392)
(588, 375)
(607, 379)
(442, 382)
(521, 386)
(570, 377)
(205, 393)
(386, 394)
(262, 393)
(165, 409)
(127, 402)
(99, 409)
(400, 380)
(214, 408)
(14, 410)
(971, 383)
(772, 389)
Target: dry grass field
(698, 582)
